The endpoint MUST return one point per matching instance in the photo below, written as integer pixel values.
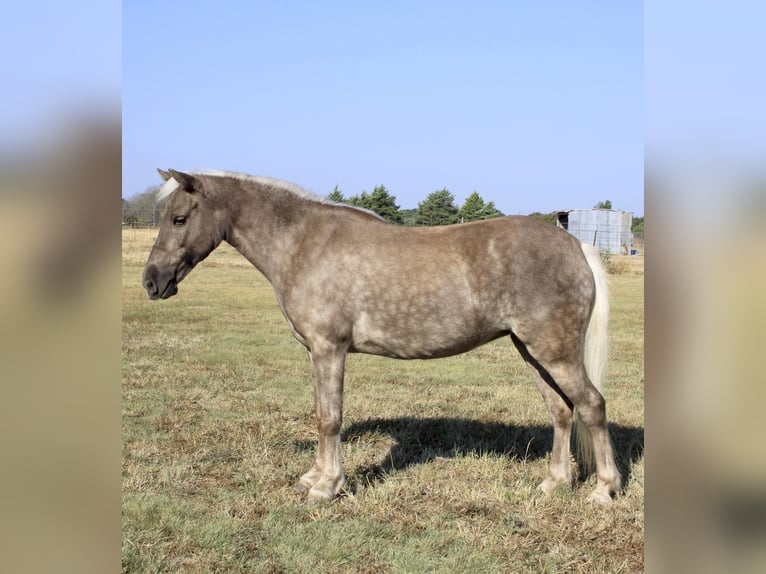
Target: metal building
(607, 229)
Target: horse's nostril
(150, 287)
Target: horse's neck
(267, 230)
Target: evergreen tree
(337, 196)
(491, 211)
(437, 209)
(384, 204)
(603, 205)
(475, 209)
(379, 201)
(472, 208)
(362, 200)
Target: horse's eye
(179, 220)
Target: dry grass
(442, 457)
(626, 265)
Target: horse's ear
(164, 175)
(188, 181)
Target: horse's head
(192, 226)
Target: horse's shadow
(419, 441)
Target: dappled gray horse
(348, 282)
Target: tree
(437, 209)
(603, 205)
(142, 209)
(638, 225)
(359, 200)
(490, 211)
(380, 201)
(337, 196)
(549, 217)
(384, 204)
(475, 209)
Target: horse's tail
(596, 348)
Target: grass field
(442, 457)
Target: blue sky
(537, 106)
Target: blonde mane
(171, 185)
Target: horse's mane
(171, 185)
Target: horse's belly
(411, 337)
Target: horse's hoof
(300, 488)
(549, 485)
(319, 496)
(600, 497)
(546, 486)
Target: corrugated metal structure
(607, 229)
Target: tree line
(438, 208)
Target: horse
(347, 281)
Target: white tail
(596, 347)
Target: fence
(141, 217)
(638, 241)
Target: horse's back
(429, 292)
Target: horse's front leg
(326, 477)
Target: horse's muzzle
(159, 285)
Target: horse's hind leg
(591, 410)
(564, 384)
(560, 470)
(573, 381)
